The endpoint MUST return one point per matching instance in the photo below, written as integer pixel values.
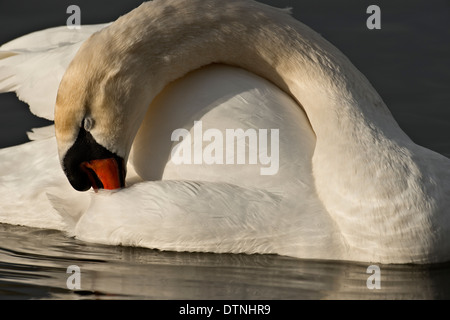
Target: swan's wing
(186, 216)
(44, 40)
(33, 65)
(27, 174)
(208, 217)
(41, 133)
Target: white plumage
(351, 185)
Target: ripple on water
(33, 264)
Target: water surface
(33, 264)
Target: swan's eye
(88, 123)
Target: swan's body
(351, 184)
(217, 208)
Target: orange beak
(103, 173)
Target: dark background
(407, 61)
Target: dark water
(33, 264)
(407, 61)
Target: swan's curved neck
(181, 36)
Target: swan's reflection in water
(33, 264)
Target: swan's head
(94, 120)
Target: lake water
(407, 61)
(34, 262)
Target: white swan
(351, 185)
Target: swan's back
(278, 138)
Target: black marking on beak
(86, 149)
